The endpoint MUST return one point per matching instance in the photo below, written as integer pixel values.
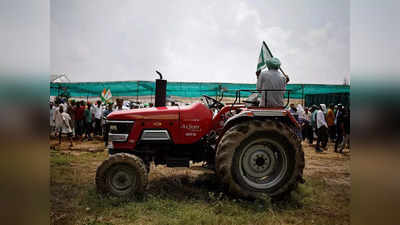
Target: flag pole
(280, 68)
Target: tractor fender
(256, 115)
(241, 117)
(276, 113)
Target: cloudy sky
(211, 41)
(375, 36)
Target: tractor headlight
(119, 126)
(117, 137)
(118, 130)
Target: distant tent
(59, 78)
(57, 85)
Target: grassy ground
(193, 196)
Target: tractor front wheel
(122, 175)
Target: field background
(193, 196)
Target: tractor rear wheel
(122, 175)
(260, 157)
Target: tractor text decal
(191, 127)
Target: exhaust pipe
(159, 74)
(161, 91)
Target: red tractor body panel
(195, 122)
(148, 118)
(185, 125)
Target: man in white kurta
(272, 79)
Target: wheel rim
(122, 179)
(263, 164)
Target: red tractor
(253, 150)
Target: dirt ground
(193, 196)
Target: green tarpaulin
(181, 89)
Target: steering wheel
(213, 103)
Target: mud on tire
(121, 175)
(255, 158)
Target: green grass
(60, 160)
(73, 195)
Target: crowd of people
(332, 124)
(81, 120)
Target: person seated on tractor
(272, 79)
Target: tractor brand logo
(191, 127)
(157, 124)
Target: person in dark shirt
(79, 119)
(339, 129)
(106, 128)
(330, 120)
(88, 121)
(307, 129)
(295, 114)
(71, 111)
(346, 123)
(108, 110)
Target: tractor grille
(155, 135)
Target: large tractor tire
(122, 175)
(255, 158)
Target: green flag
(102, 96)
(106, 95)
(264, 55)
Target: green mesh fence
(182, 89)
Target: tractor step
(177, 162)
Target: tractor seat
(252, 100)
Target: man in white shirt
(120, 105)
(65, 126)
(308, 130)
(57, 118)
(98, 114)
(272, 79)
(64, 105)
(322, 130)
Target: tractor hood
(154, 113)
